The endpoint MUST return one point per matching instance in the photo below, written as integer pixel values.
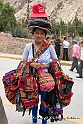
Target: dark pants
(75, 64)
(57, 49)
(35, 109)
(80, 67)
(65, 54)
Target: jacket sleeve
(53, 53)
(26, 51)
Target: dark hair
(47, 38)
(81, 42)
(36, 28)
(65, 38)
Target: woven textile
(46, 81)
(63, 83)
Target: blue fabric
(34, 114)
(75, 64)
(43, 108)
(75, 41)
(35, 109)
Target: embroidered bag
(27, 97)
(45, 81)
(10, 82)
(63, 83)
(28, 90)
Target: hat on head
(75, 41)
(38, 11)
(39, 23)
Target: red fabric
(4, 77)
(30, 102)
(60, 83)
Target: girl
(39, 33)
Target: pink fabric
(45, 87)
(76, 51)
(40, 70)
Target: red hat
(38, 10)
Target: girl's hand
(35, 65)
(44, 66)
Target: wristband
(48, 63)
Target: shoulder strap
(40, 51)
(33, 49)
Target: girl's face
(73, 43)
(39, 35)
(48, 41)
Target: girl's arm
(26, 52)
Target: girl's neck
(38, 44)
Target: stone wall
(12, 45)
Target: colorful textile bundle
(21, 87)
(63, 83)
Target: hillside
(56, 9)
